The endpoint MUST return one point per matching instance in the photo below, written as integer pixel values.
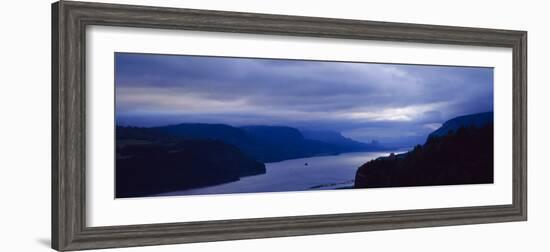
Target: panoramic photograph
(203, 125)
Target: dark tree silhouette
(149, 163)
(461, 157)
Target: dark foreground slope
(148, 163)
(460, 152)
(191, 155)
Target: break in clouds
(391, 103)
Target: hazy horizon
(390, 103)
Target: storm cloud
(392, 103)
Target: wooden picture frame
(69, 20)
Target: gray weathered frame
(69, 20)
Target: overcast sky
(391, 103)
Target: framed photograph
(178, 125)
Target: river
(312, 173)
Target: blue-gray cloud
(388, 102)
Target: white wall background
(25, 125)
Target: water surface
(312, 173)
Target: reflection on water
(313, 173)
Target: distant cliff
(475, 120)
(341, 142)
(263, 143)
(460, 152)
(190, 155)
(277, 143)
